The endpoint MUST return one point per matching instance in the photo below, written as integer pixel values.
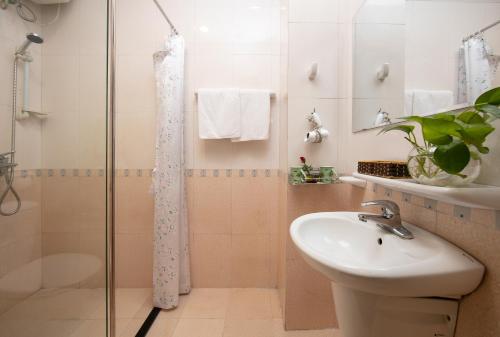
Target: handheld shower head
(30, 38)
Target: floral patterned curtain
(477, 66)
(171, 254)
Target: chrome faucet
(389, 220)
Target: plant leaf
(436, 131)
(476, 134)
(440, 131)
(470, 117)
(490, 97)
(413, 119)
(490, 109)
(445, 116)
(452, 158)
(405, 128)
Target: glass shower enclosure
(54, 168)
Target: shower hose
(8, 170)
(9, 181)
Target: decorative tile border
(488, 217)
(216, 173)
(62, 173)
(228, 173)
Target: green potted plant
(449, 151)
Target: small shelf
(353, 181)
(313, 184)
(473, 195)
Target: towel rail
(272, 94)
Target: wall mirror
(421, 57)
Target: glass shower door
(53, 168)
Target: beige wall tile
(60, 243)
(485, 217)
(60, 204)
(276, 304)
(251, 207)
(211, 260)
(445, 208)
(91, 208)
(93, 244)
(309, 303)
(479, 310)
(134, 205)
(134, 260)
(419, 216)
(250, 260)
(212, 205)
(274, 260)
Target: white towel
(255, 115)
(408, 102)
(427, 102)
(219, 113)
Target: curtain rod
(482, 30)
(166, 17)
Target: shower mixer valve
(5, 163)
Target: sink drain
(379, 241)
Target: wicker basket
(386, 169)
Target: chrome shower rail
(174, 30)
(481, 30)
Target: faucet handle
(386, 205)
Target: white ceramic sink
(359, 255)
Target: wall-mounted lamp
(318, 133)
(383, 72)
(312, 72)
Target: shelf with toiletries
(473, 195)
(308, 175)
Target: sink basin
(362, 256)
(383, 285)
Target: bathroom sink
(361, 256)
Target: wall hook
(383, 72)
(313, 71)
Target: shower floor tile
(203, 313)
(228, 313)
(76, 313)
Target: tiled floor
(75, 313)
(203, 313)
(228, 313)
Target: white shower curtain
(171, 254)
(476, 69)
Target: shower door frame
(110, 170)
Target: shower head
(30, 38)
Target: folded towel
(219, 113)
(255, 109)
(427, 102)
(409, 94)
